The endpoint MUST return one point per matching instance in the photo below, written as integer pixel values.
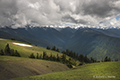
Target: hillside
(25, 51)
(95, 71)
(14, 67)
(96, 43)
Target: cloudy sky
(18, 13)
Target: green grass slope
(95, 71)
(95, 44)
(25, 51)
(14, 67)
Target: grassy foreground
(95, 71)
(14, 67)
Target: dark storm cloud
(97, 9)
(100, 8)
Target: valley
(59, 39)
(14, 67)
(96, 43)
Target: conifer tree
(47, 57)
(92, 60)
(7, 50)
(37, 56)
(54, 58)
(32, 56)
(77, 56)
(57, 50)
(63, 58)
(1, 52)
(106, 59)
(67, 52)
(109, 59)
(51, 57)
(81, 58)
(70, 54)
(54, 48)
(86, 59)
(44, 55)
(63, 52)
(12, 52)
(17, 54)
(48, 47)
(58, 58)
(40, 56)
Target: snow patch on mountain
(20, 44)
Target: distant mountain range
(96, 43)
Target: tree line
(82, 58)
(9, 52)
(73, 55)
(53, 48)
(63, 59)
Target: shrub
(32, 56)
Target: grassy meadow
(13, 67)
(94, 71)
(26, 51)
(24, 68)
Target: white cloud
(116, 4)
(19, 13)
(34, 6)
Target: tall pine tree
(37, 56)
(44, 55)
(17, 54)
(7, 50)
(63, 58)
(1, 52)
(32, 56)
(54, 48)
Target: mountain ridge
(87, 41)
